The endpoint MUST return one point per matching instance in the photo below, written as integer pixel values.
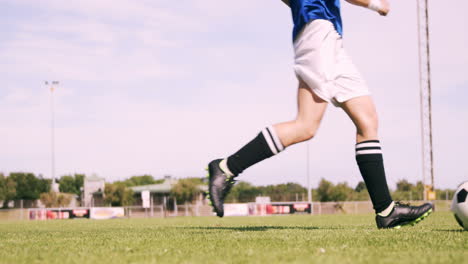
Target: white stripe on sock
(367, 145)
(269, 141)
(369, 151)
(276, 138)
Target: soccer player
(326, 74)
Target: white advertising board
(236, 209)
(106, 212)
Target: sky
(163, 87)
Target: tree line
(328, 192)
(22, 186)
(27, 186)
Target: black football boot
(404, 214)
(219, 185)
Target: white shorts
(322, 63)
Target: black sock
(265, 145)
(370, 162)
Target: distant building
(160, 194)
(93, 187)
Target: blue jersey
(304, 11)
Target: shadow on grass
(258, 228)
(450, 230)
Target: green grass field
(279, 239)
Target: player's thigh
(311, 108)
(362, 112)
(310, 112)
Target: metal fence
(318, 208)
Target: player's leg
(269, 142)
(362, 112)
(276, 138)
(311, 109)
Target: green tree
(404, 186)
(186, 190)
(445, 194)
(418, 191)
(67, 184)
(404, 190)
(360, 193)
(243, 192)
(341, 192)
(117, 194)
(71, 183)
(7, 189)
(53, 199)
(328, 192)
(43, 185)
(361, 186)
(28, 186)
(324, 191)
(140, 180)
(408, 191)
(283, 192)
(360, 196)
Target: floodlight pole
(51, 85)
(425, 96)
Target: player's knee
(307, 131)
(368, 127)
(309, 134)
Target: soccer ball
(460, 205)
